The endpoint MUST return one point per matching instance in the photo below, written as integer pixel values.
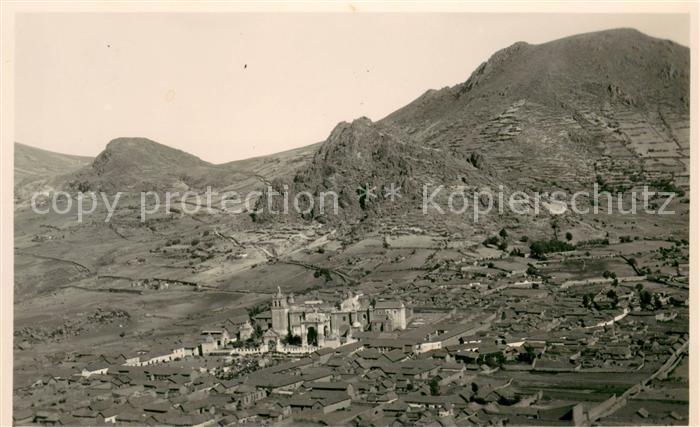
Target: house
(273, 412)
(131, 416)
(333, 387)
(263, 320)
(220, 336)
(615, 352)
(394, 311)
(395, 356)
(276, 383)
(419, 401)
(95, 369)
(246, 395)
(245, 331)
(160, 354)
(238, 319)
(324, 402)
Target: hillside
(572, 107)
(610, 106)
(32, 162)
(140, 164)
(36, 169)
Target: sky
(230, 86)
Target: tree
(539, 248)
(434, 387)
(569, 236)
(503, 233)
(644, 298)
(493, 240)
(292, 339)
(492, 359)
(532, 270)
(528, 356)
(586, 301)
(555, 228)
(611, 275)
(612, 295)
(323, 272)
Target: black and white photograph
(347, 214)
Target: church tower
(280, 313)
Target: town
(464, 352)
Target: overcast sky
(232, 86)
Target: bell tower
(280, 313)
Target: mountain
(140, 164)
(36, 169)
(32, 162)
(608, 107)
(571, 107)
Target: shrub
(569, 236)
(493, 240)
(594, 242)
(323, 272)
(668, 186)
(540, 248)
(586, 302)
(292, 339)
(602, 184)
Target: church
(324, 324)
